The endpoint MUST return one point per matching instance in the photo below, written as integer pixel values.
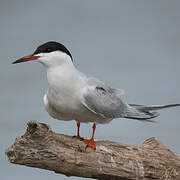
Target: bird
(72, 95)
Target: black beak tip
(17, 61)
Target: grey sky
(133, 45)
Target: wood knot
(11, 154)
(36, 128)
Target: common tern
(73, 96)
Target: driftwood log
(40, 147)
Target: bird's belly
(62, 108)
(72, 111)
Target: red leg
(90, 142)
(78, 127)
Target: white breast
(63, 99)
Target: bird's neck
(62, 77)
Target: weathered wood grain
(40, 147)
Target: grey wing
(103, 100)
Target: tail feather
(153, 107)
(146, 113)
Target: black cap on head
(52, 46)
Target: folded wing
(106, 102)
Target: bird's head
(49, 54)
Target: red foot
(79, 137)
(90, 143)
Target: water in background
(128, 44)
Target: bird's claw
(90, 143)
(79, 137)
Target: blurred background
(133, 45)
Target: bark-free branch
(40, 147)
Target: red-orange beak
(30, 57)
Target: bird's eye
(48, 50)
